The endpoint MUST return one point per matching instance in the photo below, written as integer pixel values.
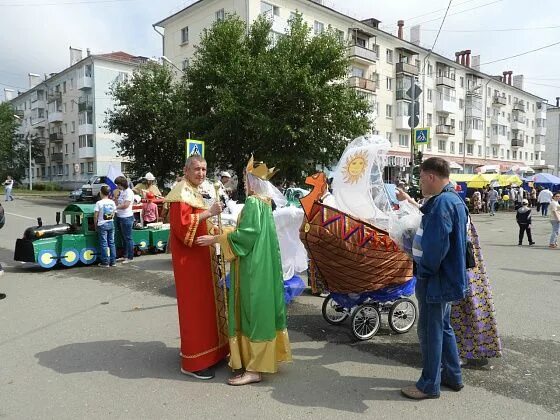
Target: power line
(463, 11)
(62, 3)
(520, 54)
(437, 36)
(494, 30)
(543, 84)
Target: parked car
(76, 195)
(90, 191)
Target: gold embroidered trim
(193, 226)
(204, 353)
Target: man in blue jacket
(439, 253)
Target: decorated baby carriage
(359, 263)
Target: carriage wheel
(69, 257)
(366, 321)
(47, 258)
(402, 315)
(88, 256)
(332, 312)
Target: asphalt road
(88, 343)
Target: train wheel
(47, 258)
(366, 321)
(88, 256)
(142, 245)
(160, 246)
(70, 257)
(402, 315)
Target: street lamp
(30, 175)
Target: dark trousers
(544, 208)
(522, 229)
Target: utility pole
(30, 170)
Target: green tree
(283, 98)
(145, 115)
(14, 155)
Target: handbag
(471, 263)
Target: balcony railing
(57, 157)
(40, 160)
(517, 142)
(85, 104)
(56, 137)
(499, 100)
(362, 83)
(363, 53)
(519, 106)
(407, 68)
(446, 80)
(444, 129)
(54, 96)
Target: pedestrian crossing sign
(422, 135)
(195, 147)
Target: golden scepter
(217, 186)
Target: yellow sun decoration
(355, 167)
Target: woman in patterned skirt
(474, 318)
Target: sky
(35, 34)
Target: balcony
(85, 104)
(55, 137)
(516, 143)
(446, 80)
(19, 113)
(84, 82)
(401, 122)
(519, 106)
(40, 160)
(518, 124)
(39, 122)
(362, 83)
(362, 54)
(498, 139)
(38, 104)
(85, 129)
(540, 147)
(56, 117)
(57, 157)
(407, 68)
(540, 112)
(539, 162)
(86, 152)
(445, 130)
(540, 131)
(445, 104)
(474, 111)
(499, 100)
(54, 96)
(474, 135)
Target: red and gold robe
(200, 300)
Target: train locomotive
(73, 238)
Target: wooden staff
(222, 259)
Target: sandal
(245, 379)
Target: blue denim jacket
(444, 239)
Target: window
(461, 103)
(340, 36)
(452, 122)
(220, 15)
(460, 148)
(526, 156)
(460, 125)
(66, 169)
(462, 81)
(489, 91)
(509, 99)
(64, 87)
(429, 120)
(90, 167)
(507, 153)
(389, 136)
(356, 71)
(185, 35)
(389, 83)
(65, 129)
(452, 147)
(502, 153)
(403, 140)
(185, 64)
(403, 109)
(429, 95)
(389, 111)
(64, 107)
(494, 152)
(66, 148)
(479, 150)
(269, 10)
(72, 105)
(82, 168)
(73, 126)
(442, 146)
(487, 151)
(86, 140)
(430, 70)
(71, 84)
(318, 27)
(389, 56)
(85, 118)
(73, 147)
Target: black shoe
(531, 243)
(203, 374)
(2, 296)
(454, 387)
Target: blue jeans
(125, 226)
(106, 235)
(555, 232)
(492, 207)
(440, 357)
(544, 208)
(8, 194)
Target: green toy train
(75, 239)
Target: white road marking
(19, 215)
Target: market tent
(482, 180)
(547, 181)
(504, 180)
(461, 177)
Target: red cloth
(204, 340)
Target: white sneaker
(1, 272)
(127, 261)
(120, 259)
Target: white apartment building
(478, 122)
(65, 114)
(552, 153)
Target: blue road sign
(195, 147)
(422, 135)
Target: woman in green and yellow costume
(258, 337)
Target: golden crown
(260, 170)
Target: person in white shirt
(544, 199)
(554, 220)
(8, 185)
(125, 218)
(103, 219)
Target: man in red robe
(200, 300)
